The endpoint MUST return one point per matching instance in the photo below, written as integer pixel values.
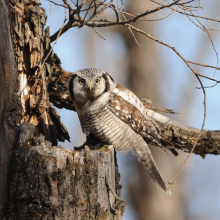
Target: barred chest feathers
(89, 112)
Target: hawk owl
(116, 116)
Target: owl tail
(145, 156)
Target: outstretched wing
(128, 107)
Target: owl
(116, 116)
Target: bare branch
(99, 12)
(184, 13)
(57, 37)
(112, 23)
(98, 34)
(69, 25)
(128, 27)
(211, 42)
(81, 4)
(68, 4)
(200, 64)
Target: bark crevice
(51, 182)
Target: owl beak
(90, 87)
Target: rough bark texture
(32, 44)
(184, 138)
(44, 181)
(10, 107)
(50, 182)
(57, 87)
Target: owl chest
(90, 120)
(110, 129)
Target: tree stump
(51, 182)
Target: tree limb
(183, 137)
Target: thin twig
(98, 12)
(81, 4)
(50, 8)
(90, 7)
(65, 28)
(112, 23)
(194, 146)
(155, 10)
(142, 19)
(200, 64)
(122, 5)
(57, 4)
(98, 33)
(210, 40)
(180, 12)
(67, 4)
(128, 27)
(207, 87)
(51, 49)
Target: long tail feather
(145, 156)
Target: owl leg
(80, 147)
(144, 155)
(90, 141)
(93, 142)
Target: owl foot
(88, 145)
(79, 148)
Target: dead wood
(50, 182)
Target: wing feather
(127, 107)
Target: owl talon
(89, 147)
(79, 148)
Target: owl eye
(97, 81)
(81, 81)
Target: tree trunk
(10, 107)
(49, 182)
(43, 181)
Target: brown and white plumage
(116, 116)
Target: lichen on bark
(50, 182)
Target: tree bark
(10, 107)
(50, 182)
(183, 137)
(43, 181)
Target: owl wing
(128, 107)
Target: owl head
(88, 84)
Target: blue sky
(202, 180)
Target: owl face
(87, 85)
(87, 88)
